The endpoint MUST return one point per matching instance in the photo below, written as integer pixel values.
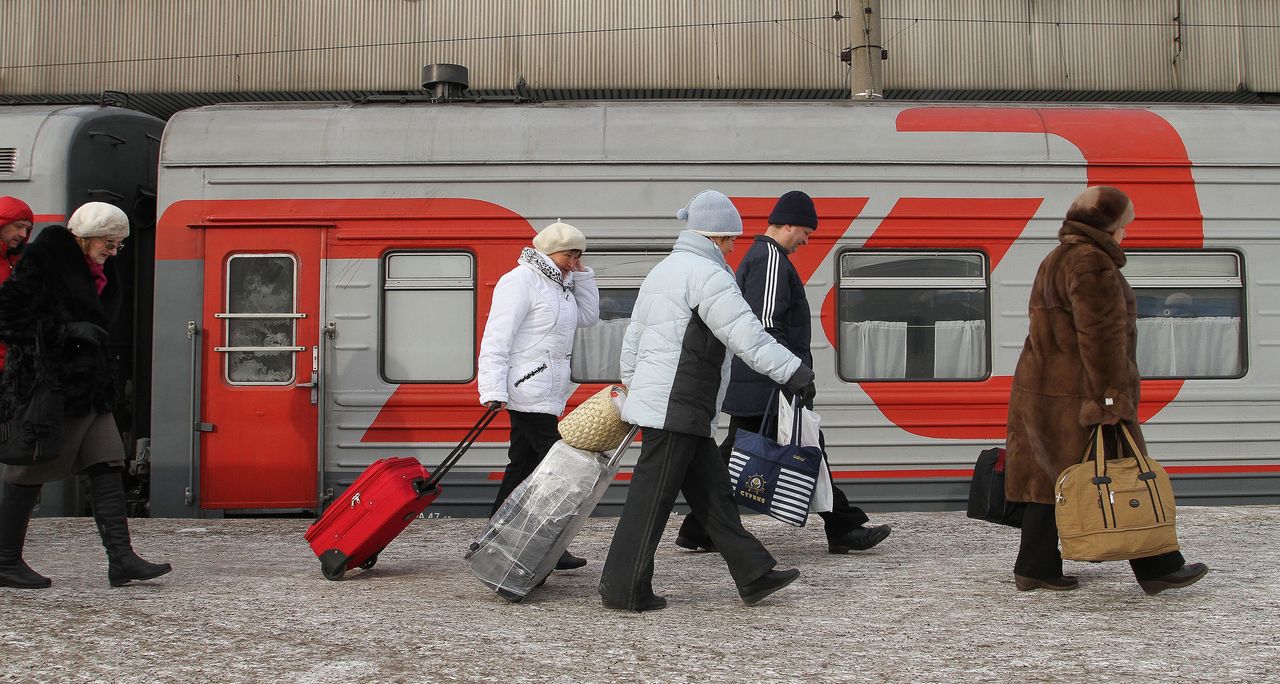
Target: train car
(57, 157)
(324, 272)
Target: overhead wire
(622, 29)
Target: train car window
(1189, 313)
(913, 315)
(618, 275)
(261, 313)
(428, 317)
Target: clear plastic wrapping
(524, 539)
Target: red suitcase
(377, 507)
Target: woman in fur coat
(524, 363)
(54, 314)
(1078, 369)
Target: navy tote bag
(775, 479)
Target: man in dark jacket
(775, 291)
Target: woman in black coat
(55, 311)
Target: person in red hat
(16, 220)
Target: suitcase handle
(491, 411)
(622, 448)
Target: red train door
(261, 366)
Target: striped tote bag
(775, 479)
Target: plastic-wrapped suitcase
(524, 539)
(377, 507)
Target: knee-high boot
(16, 503)
(123, 565)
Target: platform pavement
(934, 603)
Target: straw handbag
(596, 424)
(1115, 509)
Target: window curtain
(1189, 347)
(873, 349)
(959, 349)
(596, 351)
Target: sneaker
(860, 539)
(772, 581)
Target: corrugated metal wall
(78, 46)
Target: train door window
(261, 316)
(1189, 313)
(913, 315)
(596, 349)
(428, 317)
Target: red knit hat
(13, 209)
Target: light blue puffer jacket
(688, 322)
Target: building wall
(139, 46)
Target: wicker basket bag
(596, 424)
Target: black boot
(568, 561)
(108, 511)
(16, 502)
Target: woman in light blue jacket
(689, 321)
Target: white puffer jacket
(689, 320)
(528, 339)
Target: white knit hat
(710, 213)
(559, 237)
(99, 219)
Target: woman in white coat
(528, 341)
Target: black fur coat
(50, 288)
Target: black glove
(84, 332)
(801, 386)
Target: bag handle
(491, 411)
(771, 412)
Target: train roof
(678, 132)
(32, 130)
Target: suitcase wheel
(373, 560)
(333, 564)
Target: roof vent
(8, 159)
(445, 81)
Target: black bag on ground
(29, 436)
(986, 491)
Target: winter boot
(123, 565)
(16, 503)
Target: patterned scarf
(539, 261)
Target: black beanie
(794, 209)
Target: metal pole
(867, 77)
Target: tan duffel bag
(1116, 509)
(596, 424)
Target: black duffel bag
(986, 491)
(30, 434)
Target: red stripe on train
(968, 472)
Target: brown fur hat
(1102, 207)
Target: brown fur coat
(1078, 367)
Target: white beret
(559, 237)
(99, 219)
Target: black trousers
(672, 463)
(1039, 557)
(532, 436)
(841, 520)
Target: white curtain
(1189, 347)
(959, 349)
(596, 351)
(873, 349)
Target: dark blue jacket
(773, 289)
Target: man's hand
(800, 385)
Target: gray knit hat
(710, 213)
